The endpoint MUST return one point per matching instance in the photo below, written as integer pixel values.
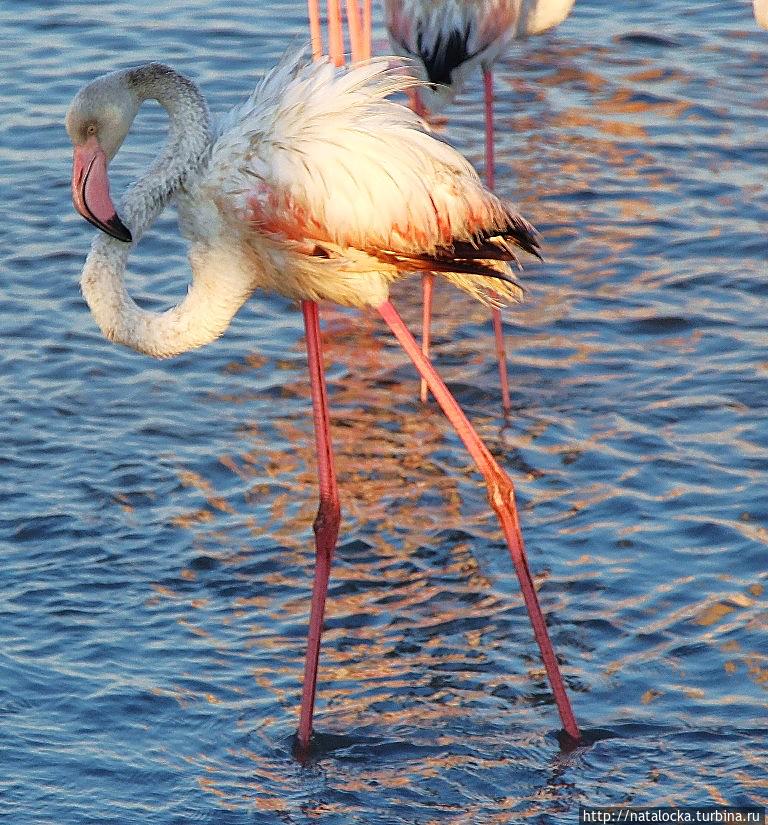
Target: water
(155, 519)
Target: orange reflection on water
(404, 480)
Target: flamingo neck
(211, 302)
(215, 295)
(186, 149)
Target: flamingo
(760, 10)
(447, 39)
(316, 187)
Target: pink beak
(90, 190)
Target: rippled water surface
(156, 516)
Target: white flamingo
(317, 187)
(448, 40)
(760, 10)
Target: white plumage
(317, 187)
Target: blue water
(155, 518)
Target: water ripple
(156, 517)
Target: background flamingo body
(449, 39)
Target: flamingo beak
(90, 190)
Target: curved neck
(186, 148)
(211, 302)
(215, 295)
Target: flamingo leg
(490, 179)
(427, 280)
(316, 35)
(490, 146)
(328, 518)
(501, 357)
(335, 33)
(356, 34)
(427, 283)
(366, 30)
(326, 525)
(416, 103)
(501, 494)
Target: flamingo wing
(319, 157)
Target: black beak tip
(118, 230)
(113, 227)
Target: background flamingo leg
(326, 525)
(335, 33)
(490, 138)
(427, 284)
(315, 32)
(501, 356)
(490, 179)
(366, 55)
(356, 32)
(416, 102)
(501, 494)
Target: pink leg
(355, 26)
(501, 494)
(335, 34)
(416, 103)
(313, 9)
(501, 357)
(427, 282)
(326, 524)
(366, 29)
(490, 149)
(490, 179)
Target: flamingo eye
(91, 130)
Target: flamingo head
(97, 121)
